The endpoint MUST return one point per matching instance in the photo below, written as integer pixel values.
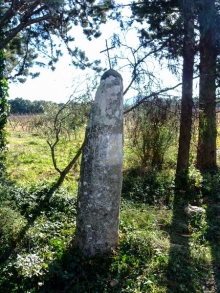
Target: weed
(150, 187)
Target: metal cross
(107, 49)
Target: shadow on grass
(67, 271)
(70, 272)
(211, 192)
(213, 237)
(190, 267)
(180, 270)
(30, 211)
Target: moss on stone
(111, 72)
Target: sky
(59, 85)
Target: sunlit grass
(152, 243)
(29, 159)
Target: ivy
(3, 110)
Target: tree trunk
(206, 150)
(187, 101)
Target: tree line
(20, 106)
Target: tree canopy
(30, 27)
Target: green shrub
(150, 130)
(150, 187)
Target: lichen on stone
(111, 72)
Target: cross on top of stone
(107, 49)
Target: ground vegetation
(161, 244)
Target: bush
(150, 187)
(150, 130)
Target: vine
(4, 107)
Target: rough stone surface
(193, 210)
(101, 170)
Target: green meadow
(161, 248)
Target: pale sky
(58, 85)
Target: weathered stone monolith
(100, 184)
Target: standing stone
(100, 184)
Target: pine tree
(187, 8)
(209, 50)
(33, 26)
(171, 23)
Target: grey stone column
(100, 183)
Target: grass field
(30, 161)
(161, 249)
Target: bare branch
(149, 96)
(69, 167)
(52, 149)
